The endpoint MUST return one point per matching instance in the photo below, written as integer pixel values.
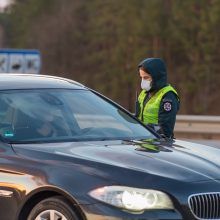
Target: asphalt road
(212, 143)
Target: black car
(69, 153)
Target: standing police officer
(158, 101)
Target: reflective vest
(150, 112)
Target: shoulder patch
(167, 106)
(167, 100)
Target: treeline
(100, 43)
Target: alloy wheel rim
(50, 215)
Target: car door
(10, 191)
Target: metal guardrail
(199, 127)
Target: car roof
(10, 81)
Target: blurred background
(100, 43)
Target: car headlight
(132, 199)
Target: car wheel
(54, 208)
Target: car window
(91, 112)
(64, 115)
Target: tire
(54, 208)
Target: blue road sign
(20, 61)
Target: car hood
(180, 160)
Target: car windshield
(51, 115)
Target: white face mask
(146, 84)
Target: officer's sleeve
(169, 107)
